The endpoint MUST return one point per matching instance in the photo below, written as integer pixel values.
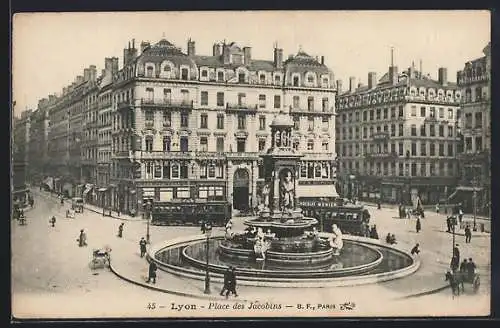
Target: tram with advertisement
(350, 218)
(190, 212)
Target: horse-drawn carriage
(458, 279)
(101, 258)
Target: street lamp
(474, 202)
(208, 232)
(148, 216)
(453, 224)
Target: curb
(429, 292)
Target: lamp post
(351, 183)
(208, 232)
(453, 224)
(474, 203)
(148, 216)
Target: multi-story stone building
(20, 156)
(397, 138)
(189, 126)
(38, 143)
(105, 85)
(474, 81)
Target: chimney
(79, 79)
(322, 60)
(216, 50)
(393, 74)
(339, 86)
(86, 74)
(411, 72)
(247, 53)
(93, 72)
(108, 63)
(372, 80)
(443, 76)
(114, 64)
(278, 57)
(65, 91)
(144, 46)
(226, 55)
(191, 48)
(352, 84)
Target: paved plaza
(51, 275)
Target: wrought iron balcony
(385, 155)
(167, 103)
(380, 136)
(124, 105)
(241, 108)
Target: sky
(51, 49)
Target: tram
(191, 212)
(351, 219)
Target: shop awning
(316, 191)
(88, 188)
(49, 182)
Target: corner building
(397, 137)
(192, 127)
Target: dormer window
(204, 73)
(310, 79)
(241, 77)
(277, 79)
(220, 76)
(184, 74)
(295, 81)
(149, 71)
(167, 69)
(262, 78)
(325, 82)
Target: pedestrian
(460, 215)
(463, 266)
(118, 211)
(82, 239)
(62, 200)
(53, 221)
(437, 208)
(227, 278)
(142, 245)
(152, 272)
(415, 250)
(379, 205)
(232, 282)
(120, 230)
(468, 234)
(203, 227)
(471, 269)
(373, 232)
(408, 213)
(418, 225)
(448, 224)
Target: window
(184, 120)
(468, 144)
(371, 115)
(166, 143)
(423, 148)
(203, 144)
(150, 115)
(401, 130)
(184, 144)
(220, 98)
(479, 143)
(365, 116)
(393, 130)
(204, 73)
(441, 130)
(310, 122)
(310, 104)
(241, 77)
(441, 149)
(401, 169)
(296, 102)
(441, 112)
(422, 130)
(242, 124)
(262, 101)
(400, 149)
(432, 168)
(167, 96)
(149, 143)
(468, 120)
(166, 170)
(393, 112)
(450, 149)
(242, 99)
(401, 111)
(450, 114)
(240, 145)
(183, 192)
(220, 76)
(413, 130)
(356, 115)
(295, 81)
(310, 144)
(204, 98)
(220, 121)
(478, 94)
(262, 144)
(167, 119)
(175, 171)
(204, 121)
(450, 131)
(184, 74)
(324, 146)
(277, 101)
(378, 112)
(432, 113)
(157, 171)
(220, 144)
(479, 120)
(149, 71)
(296, 122)
(150, 94)
(262, 122)
(277, 79)
(413, 110)
(325, 125)
(422, 112)
(432, 149)
(413, 169)
(432, 130)
(324, 105)
(310, 78)
(262, 78)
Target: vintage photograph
(251, 164)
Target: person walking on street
(418, 225)
(82, 239)
(471, 269)
(152, 272)
(142, 245)
(408, 213)
(468, 234)
(53, 221)
(448, 224)
(460, 215)
(232, 282)
(437, 208)
(120, 230)
(227, 279)
(455, 259)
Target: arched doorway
(241, 189)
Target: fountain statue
(335, 239)
(287, 191)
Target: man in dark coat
(471, 269)
(448, 224)
(53, 221)
(120, 230)
(152, 272)
(232, 282)
(468, 234)
(142, 245)
(227, 279)
(418, 226)
(463, 266)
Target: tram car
(351, 219)
(191, 212)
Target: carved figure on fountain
(336, 241)
(287, 191)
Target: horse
(456, 280)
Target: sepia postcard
(251, 164)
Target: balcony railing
(312, 111)
(241, 107)
(124, 105)
(380, 136)
(385, 155)
(167, 103)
